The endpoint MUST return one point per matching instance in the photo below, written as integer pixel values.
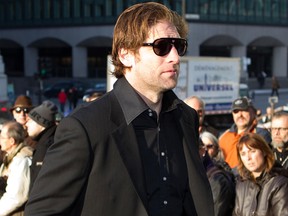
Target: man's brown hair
(133, 26)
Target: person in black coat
(41, 127)
(222, 184)
(263, 184)
(134, 151)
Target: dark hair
(15, 130)
(255, 141)
(133, 26)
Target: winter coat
(265, 197)
(222, 185)
(16, 169)
(44, 140)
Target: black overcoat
(95, 166)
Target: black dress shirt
(161, 149)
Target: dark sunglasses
(237, 111)
(209, 146)
(20, 109)
(163, 46)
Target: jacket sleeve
(64, 172)
(17, 188)
(279, 199)
(223, 194)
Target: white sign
(215, 80)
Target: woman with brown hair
(263, 185)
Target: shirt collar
(133, 105)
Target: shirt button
(150, 114)
(164, 178)
(163, 154)
(165, 202)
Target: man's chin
(277, 144)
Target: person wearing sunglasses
(222, 182)
(21, 108)
(133, 151)
(212, 147)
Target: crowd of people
(256, 156)
(139, 149)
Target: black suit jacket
(94, 166)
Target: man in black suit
(134, 151)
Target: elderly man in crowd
(279, 133)
(15, 169)
(199, 105)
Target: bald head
(197, 104)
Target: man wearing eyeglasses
(244, 116)
(279, 133)
(134, 151)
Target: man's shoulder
(260, 130)
(226, 134)
(264, 133)
(93, 109)
(24, 156)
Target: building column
(193, 49)
(30, 61)
(79, 61)
(240, 52)
(279, 61)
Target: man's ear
(126, 57)
(12, 141)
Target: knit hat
(242, 104)
(44, 114)
(22, 101)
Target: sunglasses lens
(181, 46)
(209, 146)
(162, 47)
(19, 110)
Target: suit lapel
(129, 150)
(197, 177)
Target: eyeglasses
(163, 46)
(20, 109)
(281, 129)
(209, 146)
